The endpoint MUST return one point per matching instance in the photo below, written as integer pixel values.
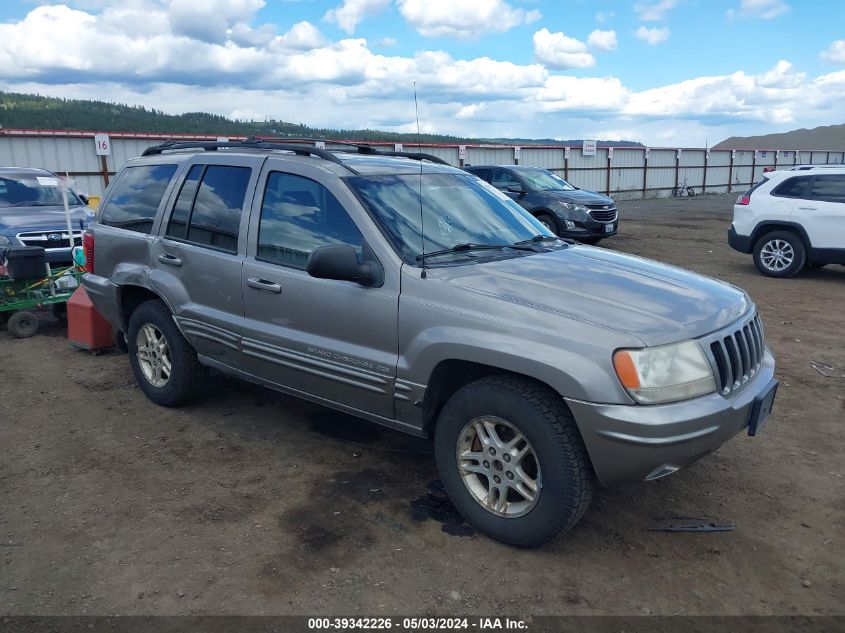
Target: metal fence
(623, 172)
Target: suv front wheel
(779, 254)
(164, 363)
(512, 460)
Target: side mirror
(516, 189)
(341, 262)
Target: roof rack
(290, 145)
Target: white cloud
(386, 42)
(604, 16)
(209, 20)
(352, 12)
(654, 11)
(559, 51)
(602, 40)
(132, 53)
(765, 9)
(463, 20)
(302, 36)
(835, 54)
(653, 35)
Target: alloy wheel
(777, 255)
(153, 355)
(499, 467)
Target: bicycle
(679, 191)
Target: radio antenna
(423, 274)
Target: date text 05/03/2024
(420, 623)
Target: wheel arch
(780, 225)
(130, 297)
(450, 375)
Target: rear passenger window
(829, 188)
(137, 193)
(209, 206)
(299, 215)
(795, 187)
(502, 179)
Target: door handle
(262, 285)
(808, 208)
(170, 260)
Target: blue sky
(665, 72)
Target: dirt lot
(255, 503)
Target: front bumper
(590, 229)
(628, 443)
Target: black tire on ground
(691, 192)
(4, 318)
(118, 340)
(590, 240)
(548, 221)
(23, 324)
(59, 311)
(770, 241)
(186, 375)
(676, 191)
(542, 417)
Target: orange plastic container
(86, 328)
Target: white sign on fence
(320, 144)
(609, 153)
(462, 152)
(678, 155)
(645, 153)
(397, 147)
(566, 153)
(588, 148)
(102, 145)
(516, 152)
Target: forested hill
(48, 113)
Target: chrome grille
(738, 355)
(602, 213)
(50, 239)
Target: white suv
(792, 219)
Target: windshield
(456, 209)
(541, 180)
(33, 191)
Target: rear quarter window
(136, 196)
(795, 187)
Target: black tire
(676, 191)
(59, 311)
(768, 243)
(186, 376)
(548, 221)
(23, 324)
(590, 240)
(691, 192)
(4, 319)
(542, 417)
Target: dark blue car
(32, 212)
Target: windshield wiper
(466, 247)
(537, 238)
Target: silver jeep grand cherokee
(412, 294)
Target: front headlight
(4, 241)
(667, 373)
(576, 208)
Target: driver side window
(299, 215)
(502, 179)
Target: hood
(579, 196)
(20, 219)
(651, 301)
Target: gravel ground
(255, 503)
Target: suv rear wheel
(512, 460)
(164, 363)
(779, 254)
